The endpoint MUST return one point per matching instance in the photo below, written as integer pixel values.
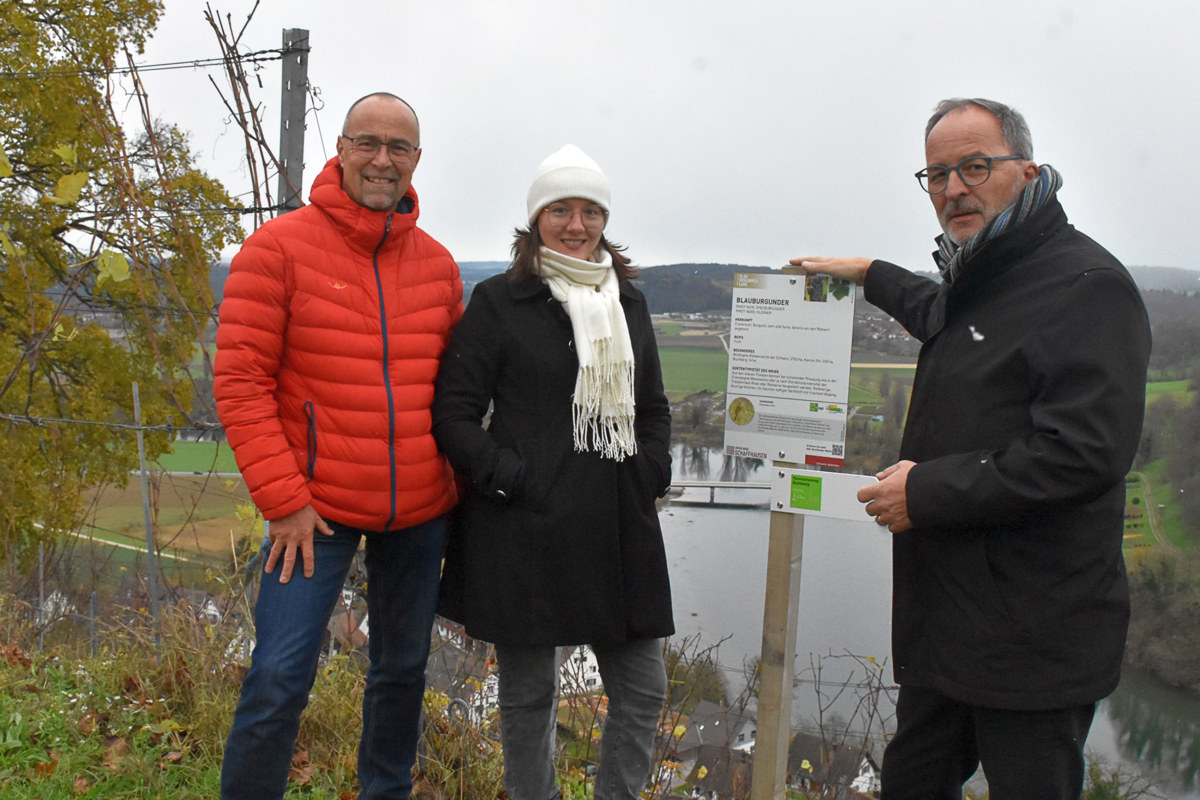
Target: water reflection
(1157, 727)
(696, 463)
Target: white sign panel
(819, 494)
(789, 368)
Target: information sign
(789, 368)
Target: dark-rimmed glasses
(368, 146)
(971, 171)
(560, 216)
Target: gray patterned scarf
(950, 256)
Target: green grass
(1180, 390)
(1167, 387)
(199, 457)
(1169, 515)
(118, 725)
(864, 381)
(668, 328)
(863, 394)
(687, 370)
(900, 372)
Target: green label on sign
(806, 492)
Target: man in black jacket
(1010, 602)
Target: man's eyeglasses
(971, 171)
(560, 216)
(368, 146)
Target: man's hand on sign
(848, 269)
(887, 500)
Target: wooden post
(776, 664)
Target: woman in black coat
(556, 540)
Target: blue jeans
(1026, 755)
(635, 681)
(290, 621)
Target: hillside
(1170, 279)
(686, 288)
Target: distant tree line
(683, 293)
(690, 288)
(1175, 320)
(1163, 636)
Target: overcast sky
(734, 132)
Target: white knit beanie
(570, 172)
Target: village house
(831, 772)
(715, 725)
(719, 773)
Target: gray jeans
(636, 684)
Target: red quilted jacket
(332, 325)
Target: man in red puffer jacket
(332, 325)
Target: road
(1152, 514)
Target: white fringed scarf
(602, 407)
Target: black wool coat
(1010, 588)
(548, 545)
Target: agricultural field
(1181, 390)
(688, 370)
(196, 514)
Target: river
(717, 558)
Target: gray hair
(1013, 126)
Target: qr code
(836, 450)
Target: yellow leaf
(67, 153)
(113, 266)
(679, 731)
(5, 166)
(700, 773)
(806, 766)
(68, 188)
(7, 247)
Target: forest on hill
(693, 288)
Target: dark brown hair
(526, 244)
